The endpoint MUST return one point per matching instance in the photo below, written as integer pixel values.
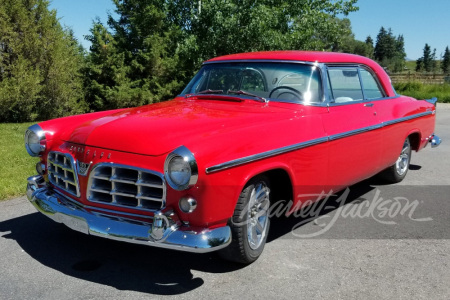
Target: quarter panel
(394, 135)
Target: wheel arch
(414, 139)
(281, 182)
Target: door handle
(368, 104)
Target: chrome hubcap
(257, 215)
(403, 160)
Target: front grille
(126, 186)
(61, 172)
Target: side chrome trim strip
(353, 132)
(407, 118)
(251, 158)
(255, 157)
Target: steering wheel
(291, 91)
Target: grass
(424, 91)
(411, 65)
(15, 163)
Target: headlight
(35, 140)
(180, 169)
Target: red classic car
(198, 173)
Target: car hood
(159, 128)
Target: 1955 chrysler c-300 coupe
(198, 173)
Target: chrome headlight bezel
(188, 157)
(34, 148)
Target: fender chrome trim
(251, 158)
(404, 119)
(282, 150)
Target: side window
(371, 88)
(345, 85)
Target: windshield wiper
(241, 92)
(209, 91)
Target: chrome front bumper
(164, 231)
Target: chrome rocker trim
(165, 231)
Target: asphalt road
(385, 241)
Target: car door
(352, 126)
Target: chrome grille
(61, 172)
(126, 186)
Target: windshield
(287, 82)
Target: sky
(420, 21)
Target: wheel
(397, 171)
(250, 222)
(293, 91)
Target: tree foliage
(369, 43)
(445, 64)
(389, 50)
(428, 61)
(347, 42)
(153, 47)
(40, 64)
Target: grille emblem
(83, 167)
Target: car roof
(313, 56)
(310, 56)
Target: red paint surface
(220, 130)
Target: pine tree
(390, 50)
(426, 58)
(445, 64)
(157, 45)
(400, 54)
(419, 64)
(135, 62)
(434, 61)
(40, 64)
(369, 43)
(380, 51)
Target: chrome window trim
(320, 66)
(361, 83)
(380, 87)
(115, 165)
(252, 158)
(331, 104)
(344, 66)
(326, 66)
(303, 62)
(282, 150)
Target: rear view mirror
(350, 73)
